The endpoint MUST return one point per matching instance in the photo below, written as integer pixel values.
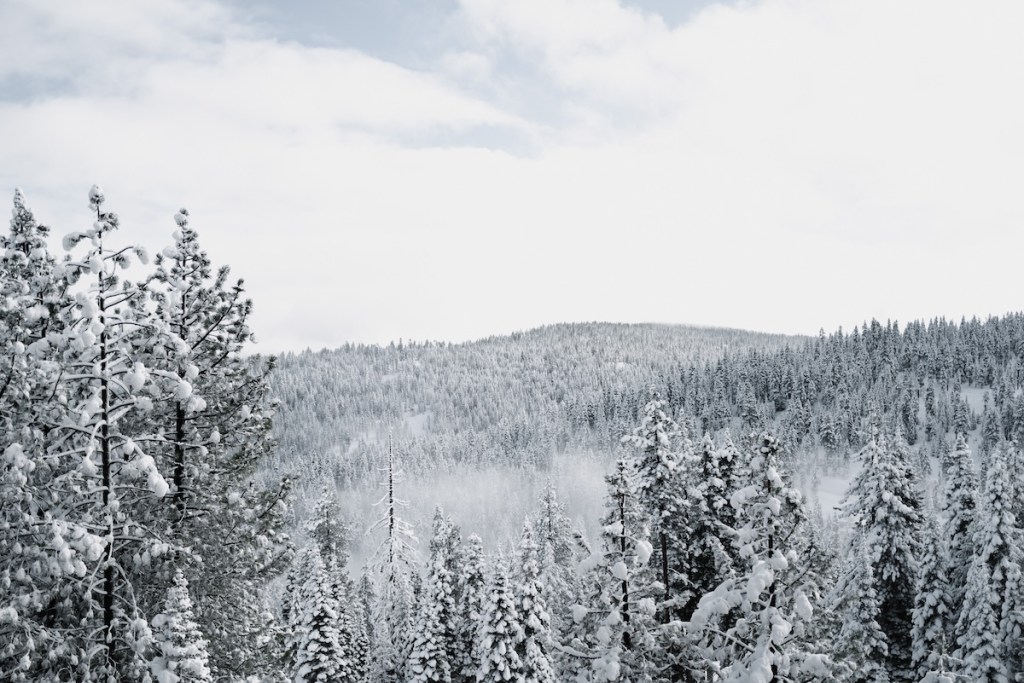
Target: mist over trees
(171, 507)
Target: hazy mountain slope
(506, 399)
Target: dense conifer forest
(173, 507)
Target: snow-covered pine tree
(500, 632)
(352, 651)
(533, 612)
(561, 596)
(1015, 463)
(34, 291)
(552, 527)
(553, 533)
(931, 607)
(860, 647)
(991, 429)
(330, 532)
(992, 621)
(469, 611)
(885, 508)
(394, 564)
(367, 596)
(108, 391)
(296, 595)
(319, 656)
(33, 558)
(962, 417)
(178, 641)
(216, 434)
(433, 637)
(354, 636)
(959, 510)
(774, 594)
(329, 529)
(618, 621)
(659, 488)
(710, 553)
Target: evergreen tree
(319, 656)
(931, 607)
(884, 506)
(533, 612)
(107, 392)
(352, 647)
(215, 436)
(470, 609)
(394, 562)
(553, 533)
(500, 633)
(329, 529)
(990, 624)
(181, 648)
(861, 648)
(331, 534)
(430, 661)
(553, 528)
(959, 509)
(709, 549)
(658, 486)
(774, 595)
(618, 619)
(35, 558)
(367, 599)
(991, 430)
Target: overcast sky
(378, 169)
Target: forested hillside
(515, 399)
(522, 399)
(921, 422)
(147, 512)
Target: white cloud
(96, 44)
(470, 65)
(781, 165)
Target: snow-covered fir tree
(353, 650)
(367, 598)
(618, 617)
(329, 530)
(557, 557)
(885, 508)
(179, 643)
(932, 606)
(434, 633)
(500, 633)
(992, 622)
(709, 549)
(860, 647)
(294, 597)
(394, 564)
(215, 436)
(959, 504)
(469, 612)
(659, 487)
(319, 655)
(33, 559)
(533, 612)
(773, 596)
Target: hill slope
(507, 399)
